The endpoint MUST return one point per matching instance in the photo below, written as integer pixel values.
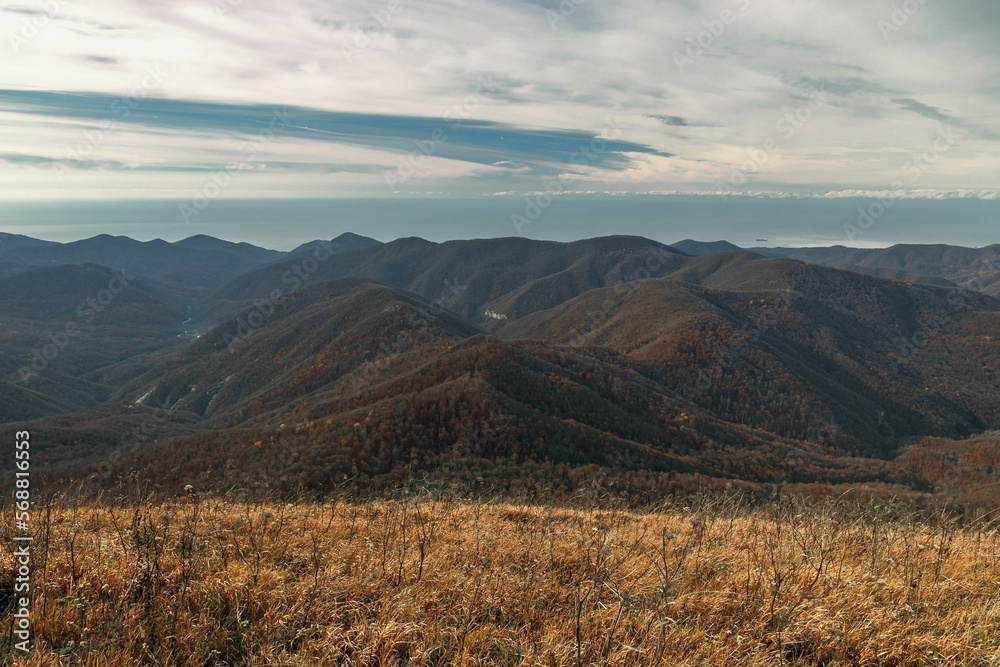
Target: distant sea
(285, 223)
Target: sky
(194, 101)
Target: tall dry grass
(213, 581)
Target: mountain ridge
(500, 357)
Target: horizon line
(738, 248)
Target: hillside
(363, 380)
(321, 333)
(535, 361)
(798, 350)
(61, 321)
(692, 247)
(142, 257)
(10, 242)
(942, 265)
(90, 293)
(967, 267)
(346, 242)
(467, 277)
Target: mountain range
(514, 364)
(975, 268)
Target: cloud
(464, 139)
(368, 80)
(676, 121)
(46, 161)
(924, 110)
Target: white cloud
(603, 59)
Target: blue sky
(130, 99)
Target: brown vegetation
(213, 581)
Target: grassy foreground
(218, 582)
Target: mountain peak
(351, 237)
(692, 247)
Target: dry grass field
(207, 581)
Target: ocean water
(285, 223)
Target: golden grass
(213, 581)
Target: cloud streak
(470, 140)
